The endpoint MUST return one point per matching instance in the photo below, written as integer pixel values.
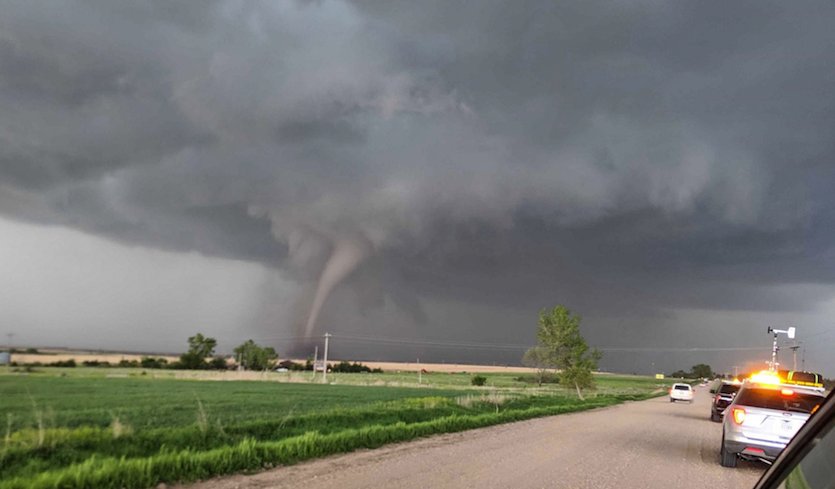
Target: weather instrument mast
(788, 332)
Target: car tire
(726, 458)
(715, 417)
(672, 400)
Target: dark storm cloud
(515, 154)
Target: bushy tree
(254, 357)
(566, 349)
(151, 362)
(202, 345)
(199, 348)
(702, 371)
(218, 363)
(698, 371)
(538, 358)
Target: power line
(678, 349)
(821, 333)
(468, 345)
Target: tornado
(348, 253)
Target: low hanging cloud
(514, 154)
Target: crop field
(73, 428)
(606, 383)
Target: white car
(681, 392)
(763, 418)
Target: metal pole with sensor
(788, 332)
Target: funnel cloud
(422, 178)
(347, 254)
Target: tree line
(698, 371)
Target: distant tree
(291, 365)
(218, 363)
(151, 362)
(199, 348)
(350, 368)
(202, 345)
(701, 371)
(559, 334)
(62, 363)
(254, 357)
(95, 363)
(538, 358)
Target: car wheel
(726, 458)
(715, 417)
(672, 400)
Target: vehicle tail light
(738, 415)
(787, 392)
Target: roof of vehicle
(771, 380)
(682, 383)
(748, 384)
(800, 377)
(728, 387)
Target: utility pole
(736, 370)
(794, 354)
(325, 360)
(315, 361)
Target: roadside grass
(88, 431)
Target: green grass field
(73, 428)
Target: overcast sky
(420, 178)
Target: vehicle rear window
(729, 389)
(681, 387)
(774, 399)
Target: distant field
(48, 355)
(88, 427)
(606, 383)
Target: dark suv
(724, 395)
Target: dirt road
(637, 445)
